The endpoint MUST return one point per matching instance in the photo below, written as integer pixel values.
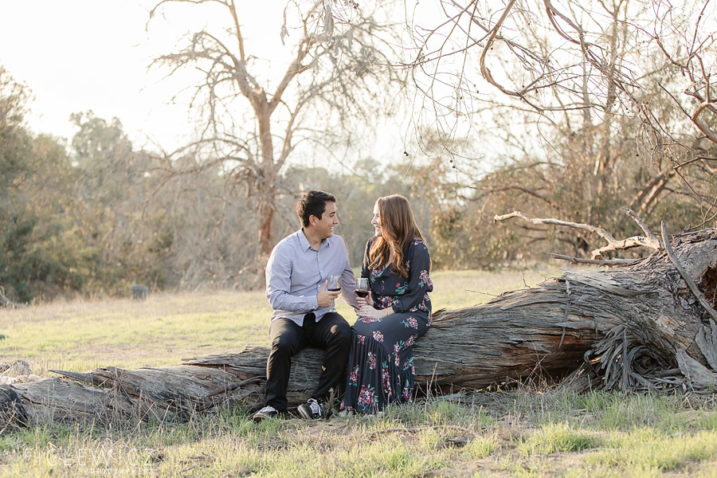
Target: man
(297, 287)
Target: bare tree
(339, 71)
(585, 107)
(569, 54)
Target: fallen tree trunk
(631, 327)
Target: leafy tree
(36, 247)
(15, 147)
(125, 239)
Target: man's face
(329, 219)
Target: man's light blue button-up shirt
(295, 273)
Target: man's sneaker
(266, 412)
(311, 410)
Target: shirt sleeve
(348, 281)
(278, 284)
(419, 282)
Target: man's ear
(312, 220)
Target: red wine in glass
(334, 283)
(362, 287)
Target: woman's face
(376, 221)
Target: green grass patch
(557, 438)
(651, 449)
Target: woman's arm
(419, 281)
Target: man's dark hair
(312, 203)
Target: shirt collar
(304, 242)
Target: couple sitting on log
(371, 362)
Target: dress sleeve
(419, 281)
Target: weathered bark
(632, 327)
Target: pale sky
(79, 55)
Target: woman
(395, 314)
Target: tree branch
(601, 262)
(586, 227)
(613, 244)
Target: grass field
(522, 432)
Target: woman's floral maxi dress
(381, 358)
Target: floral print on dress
(367, 395)
(353, 376)
(424, 279)
(377, 336)
(371, 361)
(410, 322)
(407, 391)
(368, 320)
(386, 379)
(383, 302)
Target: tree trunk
(632, 327)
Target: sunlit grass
(652, 450)
(555, 438)
(82, 335)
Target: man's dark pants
(332, 333)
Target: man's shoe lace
(315, 407)
(311, 410)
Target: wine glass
(334, 283)
(362, 287)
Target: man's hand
(326, 297)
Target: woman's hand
(366, 311)
(362, 301)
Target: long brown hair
(398, 229)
